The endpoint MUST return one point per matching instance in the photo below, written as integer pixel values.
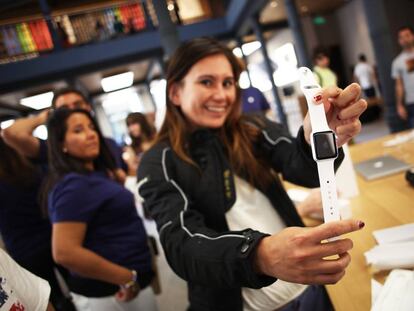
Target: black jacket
(189, 208)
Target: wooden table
(382, 203)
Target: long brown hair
(236, 135)
(147, 131)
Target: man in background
(364, 74)
(403, 74)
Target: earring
(65, 150)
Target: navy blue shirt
(253, 101)
(24, 228)
(115, 230)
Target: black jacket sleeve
(292, 157)
(195, 252)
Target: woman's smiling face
(207, 93)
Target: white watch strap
(317, 112)
(328, 190)
(313, 93)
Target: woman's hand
(127, 294)
(298, 255)
(343, 109)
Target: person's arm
(20, 137)
(298, 255)
(292, 157)
(68, 251)
(194, 251)
(236, 258)
(399, 98)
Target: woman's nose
(91, 134)
(220, 93)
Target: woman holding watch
(97, 234)
(211, 182)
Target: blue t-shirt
(114, 229)
(253, 101)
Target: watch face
(325, 145)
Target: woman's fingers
(323, 279)
(334, 229)
(327, 249)
(331, 92)
(353, 111)
(329, 266)
(349, 95)
(324, 271)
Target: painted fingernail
(361, 224)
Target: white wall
(354, 34)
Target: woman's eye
(78, 129)
(228, 83)
(206, 82)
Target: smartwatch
(323, 144)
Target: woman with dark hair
(25, 230)
(211, 183)
(96, 231)
(142, 134)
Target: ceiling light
(6, 124)
(249, 48)
(121, 101)
(40, 132)
(118, 81)
(244, 81)
(237, 52)
(39, 101)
